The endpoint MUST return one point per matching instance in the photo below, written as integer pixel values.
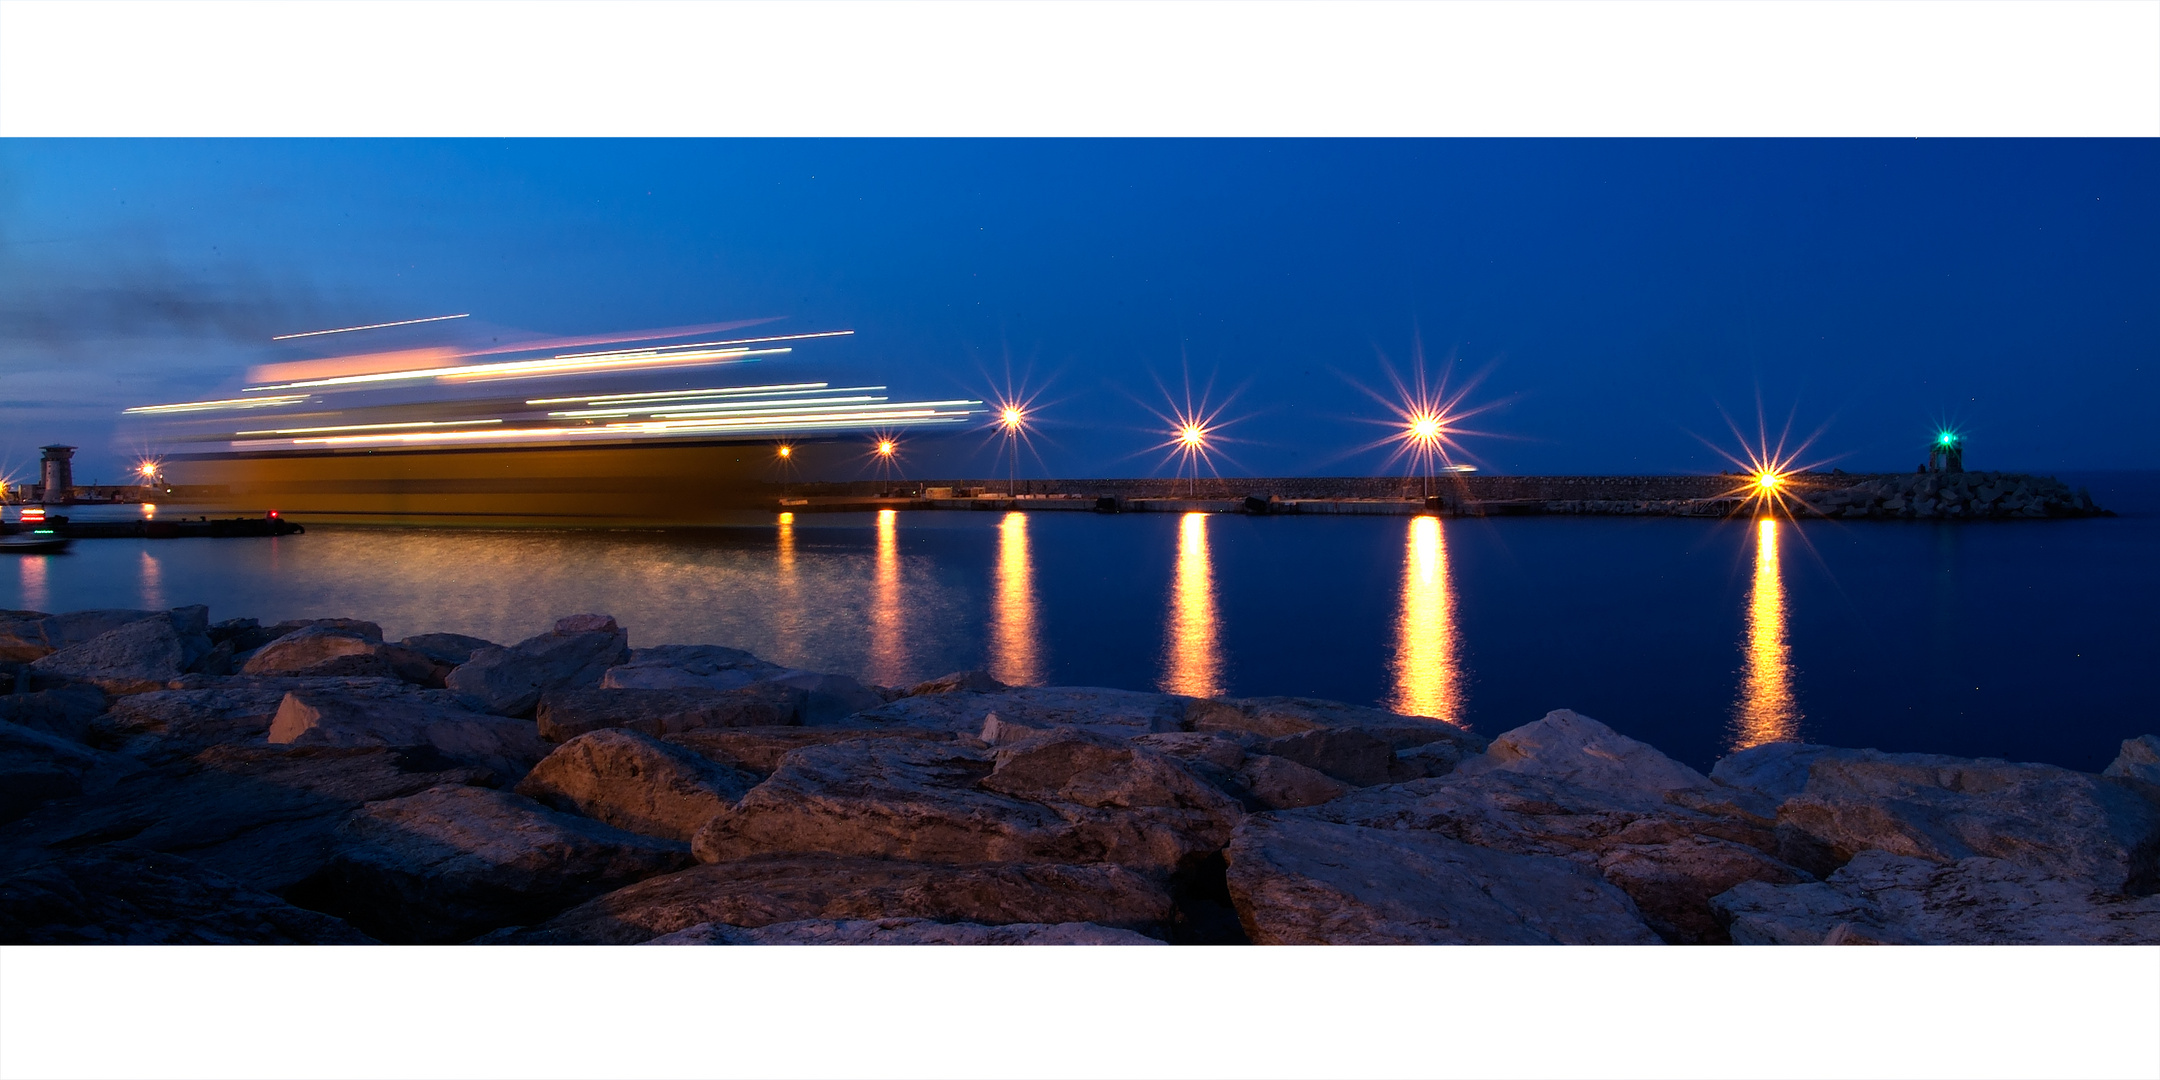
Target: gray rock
(1582, 753)
(1777, 771)
(1353, 756)
(758, 750)
(1278, 717)
(1122, 713)
(37, 767)
(902, 932)
(829, 699)
(121, 897)
(451, 649)
(28, 635)
(139, 656)
(262, 815)
(65, 711)
(319, 651)
(2067, 824)
(764, 891)
(1065, 797)
(635, 782)
(453, 862)
(435, 718)
(509, 682)
(2139, 760)
(566, 714)
(361, 627)
(689, 667)
(1309, 882)
(972, 682)
(167, 725)
(1898, 899)
(1670, 860)
(1273, 783)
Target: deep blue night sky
(1616, 294)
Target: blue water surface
(2026, 640)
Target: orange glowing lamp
(1769, 481)
(787, 451)
(1010, 418)
(1192, 436)
(885, 447)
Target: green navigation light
(1944, 438)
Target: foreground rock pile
(168, 779)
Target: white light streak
(370, 326)
(367, 427)
(228, 403)
(715, 344)
(529, 368)
(774, 388)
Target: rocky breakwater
(168, 779)
(1950, 496)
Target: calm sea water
(2028, 640)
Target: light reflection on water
(1015, 636)
(1427, 668)
(153, 586)
(1949, 638)
(1767, 710)
(1192, 648)
(888, 614)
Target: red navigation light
(273, 513)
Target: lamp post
(1193, 439)
(1010, 419)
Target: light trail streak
(371, 326)
(909, 417)
(713, 344)
(211, 406)
(774, 388)
(527, 368)
(721, 408)
(366, 427)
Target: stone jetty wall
(167, 779)
(1939, 496)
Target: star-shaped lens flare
(1771, 481)
(1194, 430)
(1426, 421)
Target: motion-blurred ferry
(556, 433)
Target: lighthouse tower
(57, 475)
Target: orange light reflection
(1015, 641)
(1192, 653)
(1428, 675)
(888, 650)
(1767, 710)
(788, 624)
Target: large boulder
(452, 862)
(134, 657)
(1278, 717)
(2139, 760)
(758, 750)
(1258, 780)
(1066, 796)
(1551, 795)
(633, 781)
(510, 682)
(37, 767)
(200, 712)
(320, 650)
(1300, 881)
(689, 667)
(828, 699)
(1029, 709)
(2101, 830)
(262, 815)
(124, 897)
(450, 649)
(566, 714)
(1575, 750)
(433, 718)
(778, 889)
(28, 635)
(66, 711)
(1883, 898)
(902, 932)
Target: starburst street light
(1769, 472)
(1011, 417)
(1427, 418)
